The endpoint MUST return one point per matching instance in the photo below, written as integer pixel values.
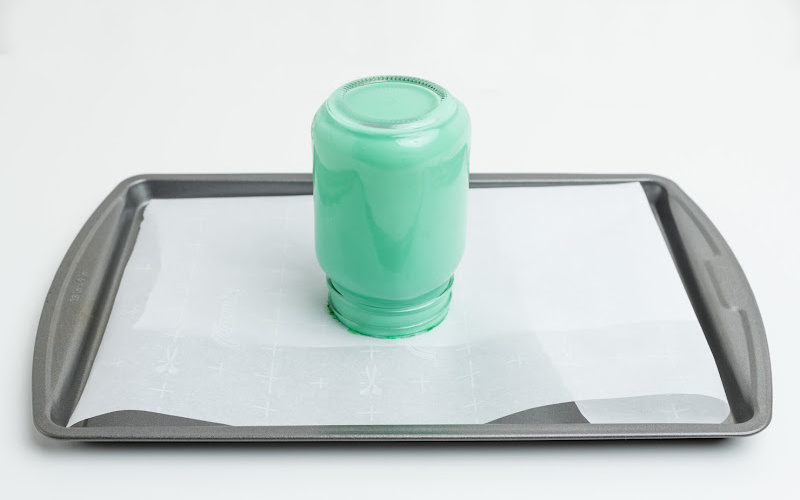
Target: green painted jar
(391, 175)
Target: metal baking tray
(80, 299)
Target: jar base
(389, 319)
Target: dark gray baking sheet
(80, 299)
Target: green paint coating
(391, 174)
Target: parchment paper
(563, 294)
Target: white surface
(563, 294)
(702, 92)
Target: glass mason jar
(391, 175)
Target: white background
(704, 92)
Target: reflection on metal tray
(81, 297)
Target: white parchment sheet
(563, 294)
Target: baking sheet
(564, 294)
